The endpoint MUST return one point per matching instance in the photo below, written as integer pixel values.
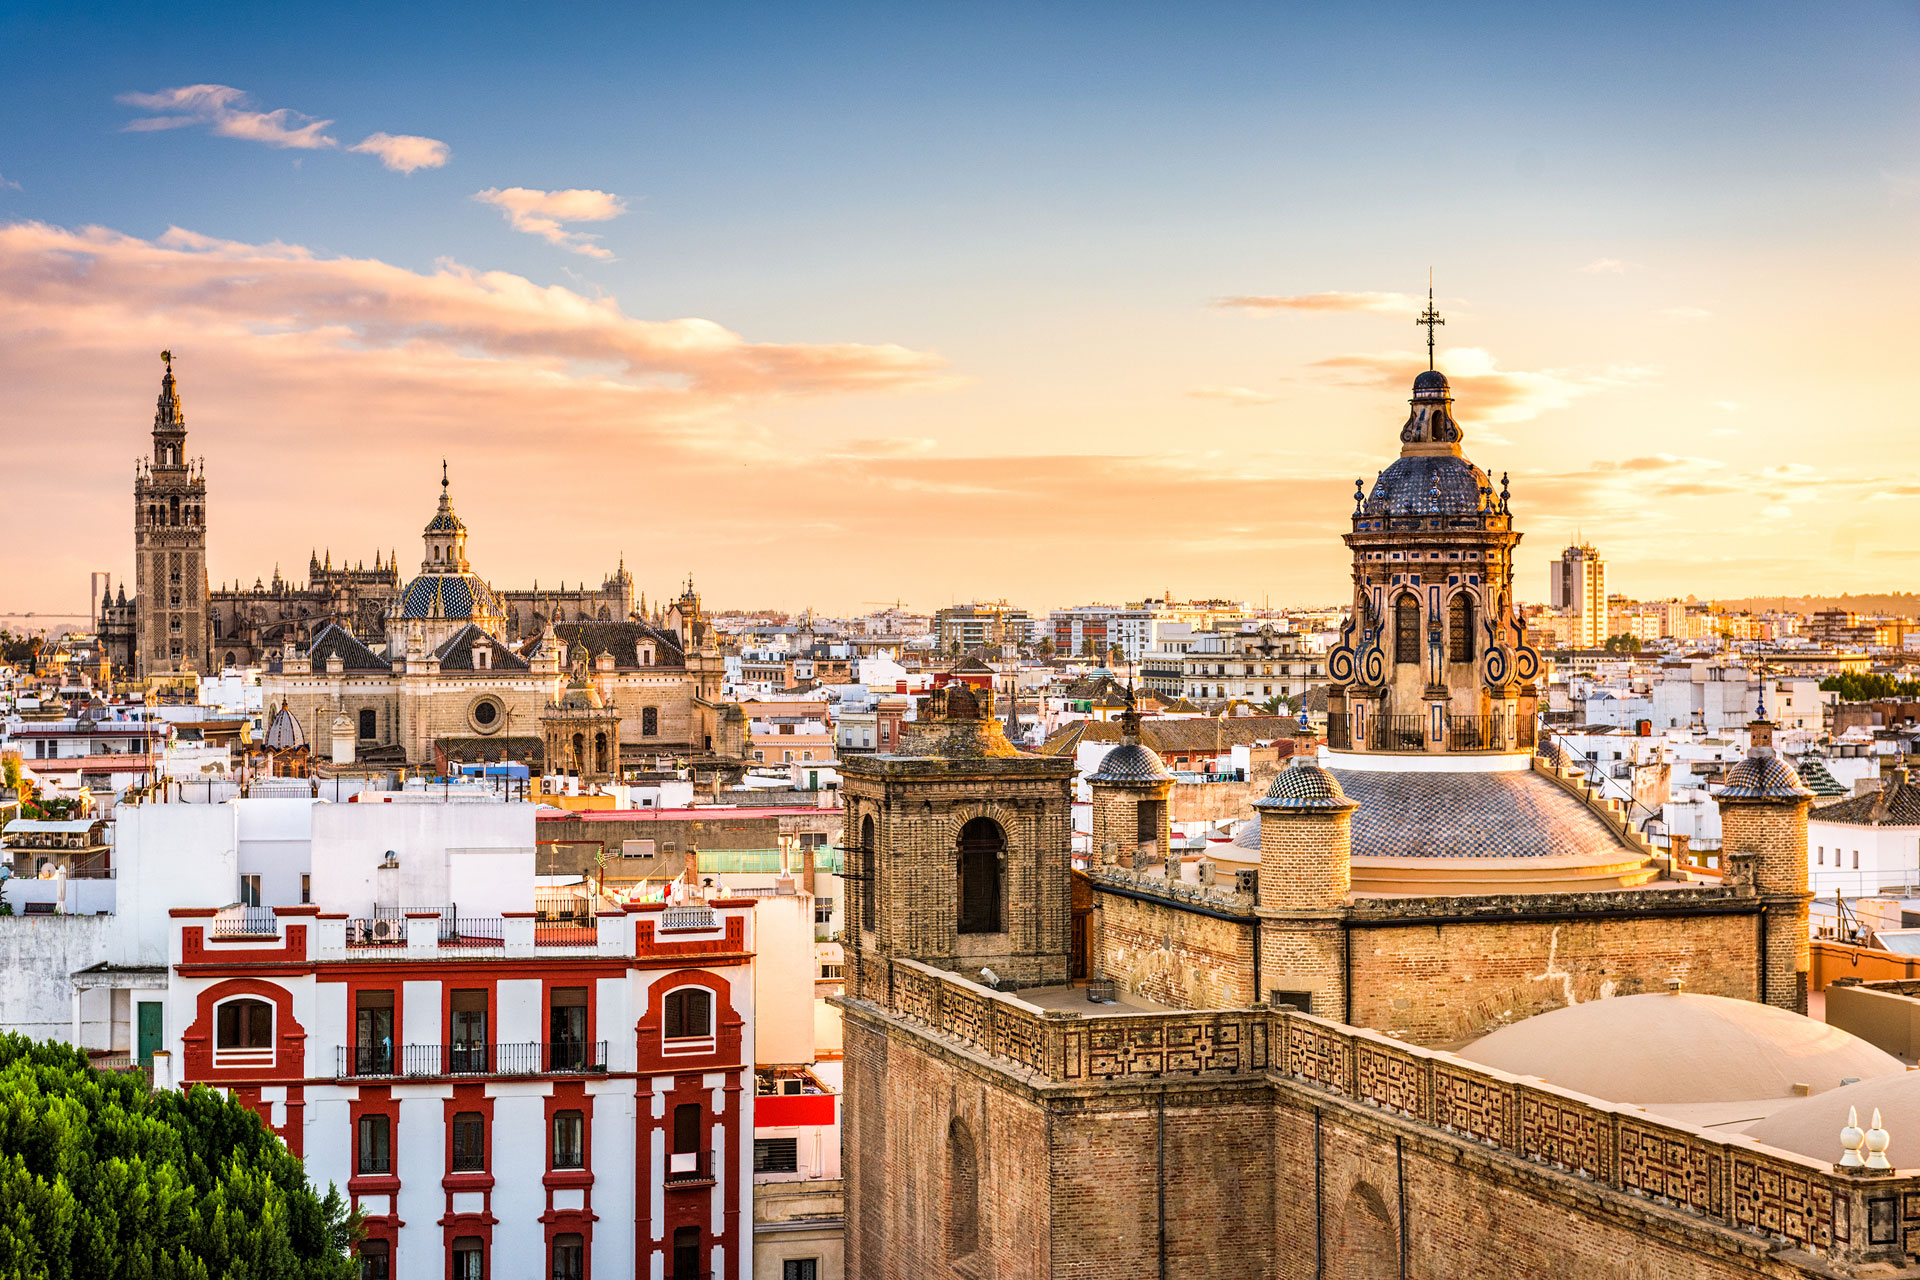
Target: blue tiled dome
(1764, 777)
(1419, 486)
(1304, 786)
(449, 595)
(1431, 381)
(1131, 762)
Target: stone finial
(1877, 1140)
(1850, 1139)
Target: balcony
(698, 916)
(245, 922)
(428, 1061)
(691, 1169)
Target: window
(800, 1269)
(981, 842)
(686, 1254)
(373, 1033)
(689, 1013)
(243, 1024)
(1460, 629)
(569, 1140)
(649, 722)
(469, 1258)
(870, 873)
(469, 1142)
(376, 1260)
(567, 1258)
(249, 891)
(467, 1040)
(567, 1029)
(369, 722)
(963, 1192)
(1823, 855)
(1147, 820)
(306, 889)
(1856, 859)
(686, 1128)
(1406, 629)
(823, 910)
(376, 1145)
(776, 1155)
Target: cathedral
(365, 667)
(204, 629)
(1308, 1067)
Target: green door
(149, 1019)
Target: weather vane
(1430, 318)
(167, 356)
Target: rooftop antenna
(1430, 318)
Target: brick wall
(1775, 836)
(1175, 957)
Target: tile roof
(449, 595)
(456, 651)
(1164, 734)
(622, 640)
(335, 640)
(1819, 779)
(1469, 815)
(1896, 804)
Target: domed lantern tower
(1433, 658)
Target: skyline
(801, 305)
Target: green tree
(101, 1175)
(1623, 644)
(1865, 686)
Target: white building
(1866, 844)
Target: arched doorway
(981, 844)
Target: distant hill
(1899, 603)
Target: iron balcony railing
(246, 922)
(688, 1168)
(375, 1162)
(384, 928)
(528, 1058)
(1472, 733)
(471, 931)
(699, 916)
(1397, 733)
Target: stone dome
(1303, 786)
(1431, 381)
(1132, 762)
(1764, 776)
(1418, 485)
(1811, 1126)
(1681, 1048)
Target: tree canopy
(1861, 686)
(103, 1176)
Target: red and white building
(507, 1083)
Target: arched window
(601, 763)
(981, 843)
(689, 1014)
(963, 1192)
(1406, 629)
(1460, 629)
(173, 511)
(870, 874)
(243, 1025)
(579, 752)
(1368, 1244)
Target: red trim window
(373, 1144)
(376, 1260)
(687, 1020)
(567, 1141)
(468, 1143)
(467, 1259)
(568, 1257)
(243, 1033)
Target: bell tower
(170, 544)
(959, 848)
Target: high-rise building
(1578, 585)
(170, 545)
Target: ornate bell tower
(170, 545)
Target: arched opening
(963, 1192)
(1406, 629)
(981, 844)
(243, 1024)
(579, 751)
(688, 1014)
(1366, 1247)
(1460, 628)
(869, 873)
(173, 511)
(601, 764)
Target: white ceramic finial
(1850, 1139)
(1876, 1143)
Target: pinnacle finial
(1430, 318)
(443, 475)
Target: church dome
(1432, 381)
(1764, 776)
(449, 595)
(1303, 786)
(1811, 1126)
(1683, 1049)
(1422, 485)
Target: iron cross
(1430, 318)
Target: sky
(834, 305)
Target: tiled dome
(1304, 786)
(1764, 777)
(1420, 485)
(449, 595)
(1131, 762)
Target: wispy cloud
(1237, 396)
(8, 183)
(404, 152)
(543, 213)
(1605, 267)
(1487, 393)
(226, 111)
(1262, 304)
(1685, 315)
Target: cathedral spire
(1430, 318)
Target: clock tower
(170, 545)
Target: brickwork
(1305, 874)
(1447, 984)
(1115, 823)
(1175, 957)
(1774, 834)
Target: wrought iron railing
(1339, 733)
(1397, 733)
(246, 922)
(1472, 733)
(699, 916)
(471, 931)
(472, 1058)
(684, 1167)
(386, 927)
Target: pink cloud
(404, 152)
(1336, 301)
(541, 213)
(223, 109)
